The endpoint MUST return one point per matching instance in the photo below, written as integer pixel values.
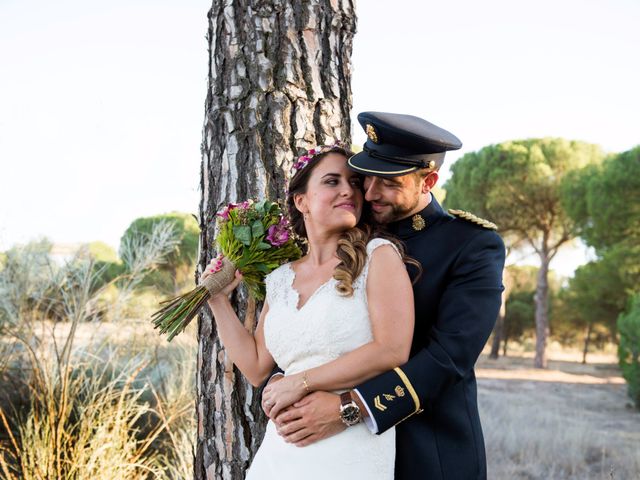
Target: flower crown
(305, 159)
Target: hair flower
(304, 160)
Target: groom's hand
(315, 417)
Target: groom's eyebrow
(393, 180)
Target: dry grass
(121, 407)
(571, 421)
(132, 415)
(84, 399)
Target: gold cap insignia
(417, 222)
(371, 133)
(389, 397)
(399, 391)
(470, 217)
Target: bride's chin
(349, 225)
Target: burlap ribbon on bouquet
(215, 282)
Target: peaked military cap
(399, 144)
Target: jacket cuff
(369, 420)
(390, 398)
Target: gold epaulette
(470, 217)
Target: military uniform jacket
(433, 397)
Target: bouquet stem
(177, 313)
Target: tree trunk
(279, 83)
(504, 346)
(542, 311)
(498, 330)
(587, 338)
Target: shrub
(79, 406)
(24, 279)
(176, 270)
(101, 415)
(629, 349)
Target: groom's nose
(371, 188)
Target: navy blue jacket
(433, 397)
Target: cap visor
(367, 165)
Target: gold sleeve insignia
(378, 404)
(470, 217)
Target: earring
(305, 216)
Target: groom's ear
(429, 182)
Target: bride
(340, 315)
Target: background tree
(172, 275)
(106, 263)
(593, 300)
(629, 350)
(497, 335)
(604, 201)
(519, 320)
(519, 306)
(517, 184)
(279, 83)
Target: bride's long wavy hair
(352, 244)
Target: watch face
(350, 414)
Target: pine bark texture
(279, 83)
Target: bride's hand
(226, 291)
(283, 393)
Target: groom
(432, 399)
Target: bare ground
(571, 421)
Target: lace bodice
(327, 326)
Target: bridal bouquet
(252, 237)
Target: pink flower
(278, 235)
(224, 213)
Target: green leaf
(261, 267)
(263, 246)
(260, 207)
(243, 233)
(257, 230)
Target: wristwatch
(349, 410)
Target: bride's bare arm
(391, 311)
(248, 352)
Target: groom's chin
(382, 217)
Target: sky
(102, 103)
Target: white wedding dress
(324, 328)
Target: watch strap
(345, 398)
